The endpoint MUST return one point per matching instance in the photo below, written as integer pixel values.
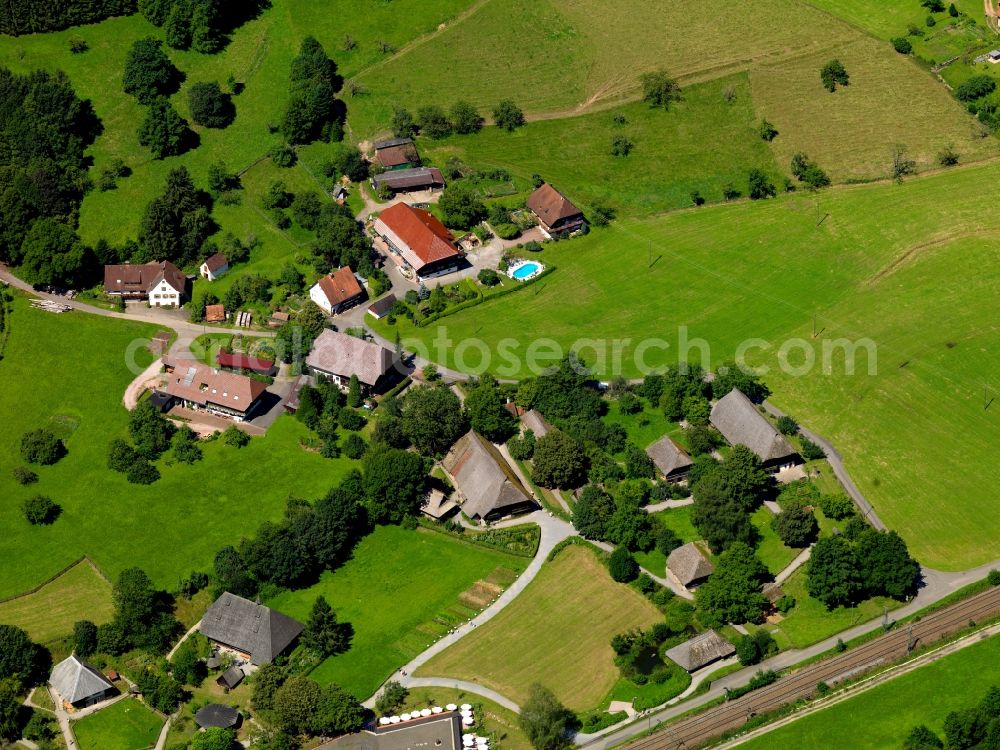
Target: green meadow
(880, 718)
(400, 591)
(909, 267)
(69, 372)
(127, 725)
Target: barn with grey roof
(490, 487)
(689, 565)
(249, 627)
(80, 684)
(671, 460)
(439, 732)
(700, 651)
(737, 418)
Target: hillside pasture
(556, 58)
(701, 144)
(903, 266)
(78, 370)
(562, 624)
(400, 591)
(850, 133)
(881, 717)
(80, 593)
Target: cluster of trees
(176, 223)
(808, 172)
(311, 538)
(299, 705)
(23, 663)
(45, 129)
(322, 409)
(725, 494)
(733, 592)
(432, 121)
(973, 728)
(313, 111)
(633, 650)
(152, 435)
(545, 721)
(860, 563)
(41, 446)
(151, 77)
(143, 619)
(210, 105)
(37, 16)
(621, 520)
(196, 24)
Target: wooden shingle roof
(700, 651)
(668, 456)
(249, 627)
(76, 680)
(736, 417)
(483, 476)
(689, 563)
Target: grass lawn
(810, 621)
(184, 728)
(701, 144)
(914, 435)
(78, 594)
(78, 375)
(127, 725)
(401, 591)
(499, 723)
(563, 623)
(770, 549)
(678, 519)
(646, 427)
(850, 132)
(881, 717)
(646, 696)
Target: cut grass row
(562, 624)
(400, 591)
(907, 267)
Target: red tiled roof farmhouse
(340, 286)
(425, 236)
(549, 205)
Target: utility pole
(910, 642)
(885, 619)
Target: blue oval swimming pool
(526, 270)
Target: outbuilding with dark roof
(670, 459)
(248, 627)
(408, 180)
(217, 715)
(700, 651)
(689, 565)
(381, 307)
(396, 153)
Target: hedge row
(482, 298)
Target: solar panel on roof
(189, 377)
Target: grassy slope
(127, 725)
(881, 717)
(916, 437)
(78, 594)
(559, 56)
(562, 624)
(396, 591)
(78, 369)
(700, 144)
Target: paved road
(554, 530)
(837, 463)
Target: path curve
(554, 530)
(837, 463)
(468, 687)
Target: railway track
(697, 729)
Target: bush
(832, 74)
(77, 45)
(24, 475)
(235, 437)
(837, 507)
(993, 578)
(948, 157)
(40, 510)
(354, 446)
(142, 472)
(902, 45)
(696, 198)
(488, 277)
(975, 88)
(759, 186)
(282, 155)
(767, 131)
(785, 604)
(209, 106)
(787, 425)
(621, 146)
(508, 115)
(811, 451)
(41, 447)
(622, 565)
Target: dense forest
(32, 16)
(44, 129)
